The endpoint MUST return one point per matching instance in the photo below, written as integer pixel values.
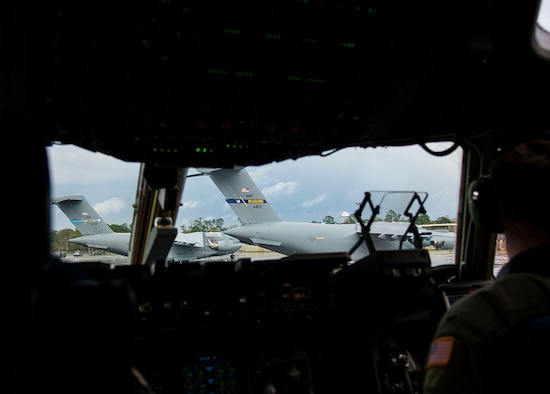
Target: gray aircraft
(97, 234)
(439, 239)
(262, 226)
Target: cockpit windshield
(230, 214)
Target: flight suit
(475, 347)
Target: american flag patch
(245, 190)
(440, 352)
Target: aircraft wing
(185, 243)
(393, 237)
(393, 231)
(439, 239)
(195, 239)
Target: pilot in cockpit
(480, 343)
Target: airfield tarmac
(438, 257)
(111, 258)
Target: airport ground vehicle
(134, 81)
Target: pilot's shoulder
(523, 290)
(521, 284)
(501, 305)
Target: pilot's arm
(452, 367)
(474, 349)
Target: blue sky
(307, 189)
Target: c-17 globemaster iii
(97, 234)
(262, 226)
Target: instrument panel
(281, 326)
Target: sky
(304, 190)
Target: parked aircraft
(262, 226)
(97, 234)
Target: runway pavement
(438, 257)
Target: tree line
(392, 216)
(60, 239)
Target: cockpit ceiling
(198, 83)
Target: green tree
(217, 225)
(423, 218)
(60, 240)
(329, 220)
(393, 216)
(349, 220)
(121, 228)
(443, 220)
(197, 225)
(200, 225)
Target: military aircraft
(97, 234)
(262, 226)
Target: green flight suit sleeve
(469, 350)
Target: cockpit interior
(179, 84)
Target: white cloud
(110, 206)
(261, 175)
(72, 167)
(281, 189)
(317, 200)
(192, 204)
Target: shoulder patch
(440, 352)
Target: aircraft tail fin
(242, 194)
(82, 215)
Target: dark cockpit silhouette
(179, 84)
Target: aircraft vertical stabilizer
(243, 195)
(82, 215)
